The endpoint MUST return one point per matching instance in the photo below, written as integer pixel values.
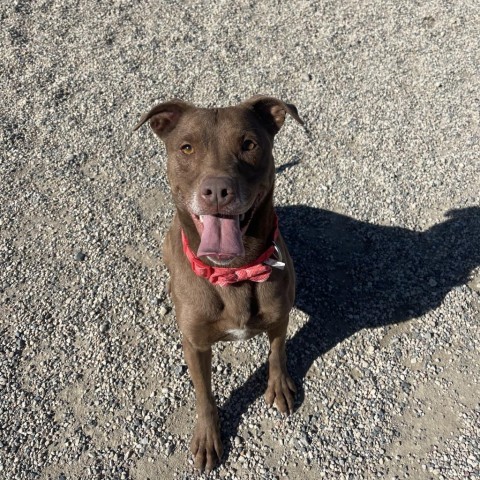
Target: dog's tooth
(201, 218)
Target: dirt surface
(378, 199)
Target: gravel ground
(378, 199)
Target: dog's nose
(218, 191)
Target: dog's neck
(256, 239)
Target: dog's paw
(206, 445)
(281, 390)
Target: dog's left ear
(164, 117)
(272, 111)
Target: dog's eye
(248, 145)
(187, 149)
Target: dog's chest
(242, 318)
(241, 326)
(235, 334)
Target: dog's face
(220, 165)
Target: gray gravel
(378, 198)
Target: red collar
(257, 271)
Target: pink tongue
(221, 237)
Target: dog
(231, 276)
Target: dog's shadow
(353, 275)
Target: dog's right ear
(272, 111)
(164, 116)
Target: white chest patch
(239, 333)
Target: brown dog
(231, 275)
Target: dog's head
(220, 165)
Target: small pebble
(80, 256)
(104, 327)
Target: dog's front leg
(206, 445)
(281, 388)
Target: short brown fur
(205, 313)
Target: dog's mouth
(221, 235)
